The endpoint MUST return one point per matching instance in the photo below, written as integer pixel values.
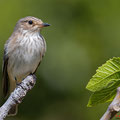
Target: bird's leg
(33, 75)
(18, 84)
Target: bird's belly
(25, 59)
(24, 64)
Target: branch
(17, 95)
(113, 108)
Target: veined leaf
(104, 95)
(106, 75)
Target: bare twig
(113, 108)
(17, 95)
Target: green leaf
(104, 95)
(106, 75)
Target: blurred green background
(83, 35)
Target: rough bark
(17, 95)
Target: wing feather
(5, 77)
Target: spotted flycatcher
(23, 53)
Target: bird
(23, 53)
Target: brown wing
(36, 68)
(5, 78)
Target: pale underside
(24, 57)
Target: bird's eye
(30, 22)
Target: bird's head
(30, 24)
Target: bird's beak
(44, 25)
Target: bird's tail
(13, 111)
